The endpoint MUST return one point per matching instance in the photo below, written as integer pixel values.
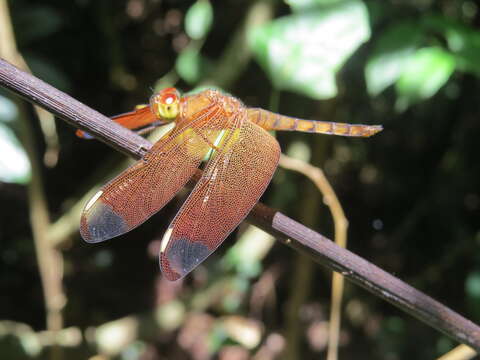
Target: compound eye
(168, 99)
(166, 104)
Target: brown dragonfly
(241, 159)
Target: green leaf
(301, 5)
(198, 19)
(14, 164)
(191, 66)
(304, 51)
(426, 71)
(472, 285)
(462, 40)
(390, 55)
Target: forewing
(233, 181)
(145, 187)
(137, 118)
(131, 120)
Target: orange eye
(168, 99)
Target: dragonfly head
(166, 104)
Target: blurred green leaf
(135, 350)
(444, 345)
(300, 5)
(14, 164)
(48, 72)
(462, 40)
(303, 52)
(217, 338)
(37, 22)
(395, 324)
(426, 71)
(248, 252)
(472, 285)
(191, 66)
(198, 19)
(8, 110)
(390, 55)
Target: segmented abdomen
(272, 121)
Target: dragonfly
(241, 158)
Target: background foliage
(411, 193)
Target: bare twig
(72, 111)
(50, 261)
(340, 222)
(288, 231)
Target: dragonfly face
(242, 157)
(166, 104)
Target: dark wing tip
(179, 256)
(99, 223)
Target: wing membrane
(131, 120)
(234, 179)
(146, 186)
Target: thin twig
(50, 260)
(340, 223)
(288, 231)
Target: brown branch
(288, 231)
(72, 111)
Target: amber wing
(234, 179)
(135, 119)
(145, 187)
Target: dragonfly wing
(135, 119)
(146, 186)
(233, 181)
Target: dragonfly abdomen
(272, 121)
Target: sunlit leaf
(198, 19)
(303, 52)
(390, 55)
(462, 40)
(14, 164)
(425, 73)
